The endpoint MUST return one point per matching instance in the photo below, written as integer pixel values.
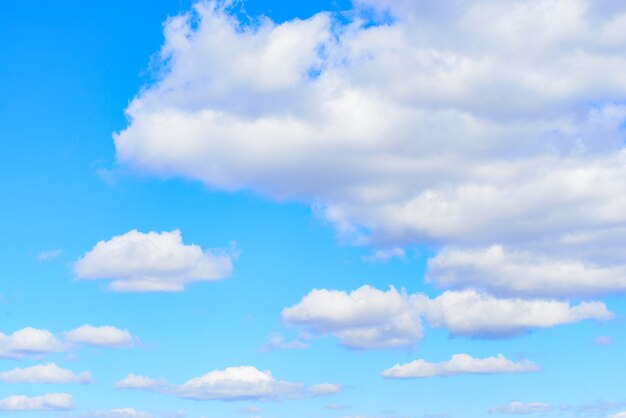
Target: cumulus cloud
(29, 341)
(47, 402)
(152, 262)
(517, 407)
(230, 384)
(103, 336)
(369, 318)
(35, 342)
(522, 273)
(471, 313)
(44, 373)
(459, 364)
(399, 131)
(364, 319)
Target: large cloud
(459, 364)
(368, 318)
(151, 262)
(463, 124)
(47, 402)
(230, 384)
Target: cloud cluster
(368, 318)
(459, 364)
(47, 402)
(32, 341)
(230, 384)
(152, 262)
(44, 373)
(477, 127)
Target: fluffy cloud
(29, 341)
(47, 402)
(45, 373)
(369, 318)
(104, 336)
(517, 407)
(152, 262)
(465, 125)
(459, 364)
(470, 313)
(365, 318)
(32, 341)
(514, 272)
(230, 384)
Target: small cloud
(153, 262)
(252, 409)
(603, 341)
(47, 402)
(519, 408)
(117, 413)
(133, 381)
(459, 364)
(45, 373)
(384, 255)
(337, 406)
(277, 342)
(324, 389)
(49, 255)
(103, 336)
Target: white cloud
(103, 336)
(384, 255)
(365, 318)
(277, 342)
(369, 318)
(117, 413)
(324, 389)
(133, 381)
(47, 402)
(29, 341)
(35, 342)
(517, 407)
(230, 384)
(400, 133)
(514, 272)
(471, 313)
(618, 415)
(44, 373)
(152, 262)
(459, 364)
(49, 255)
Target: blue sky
(317, 209)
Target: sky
(333, 208)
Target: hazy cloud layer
(517, 407)
(152, 262)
